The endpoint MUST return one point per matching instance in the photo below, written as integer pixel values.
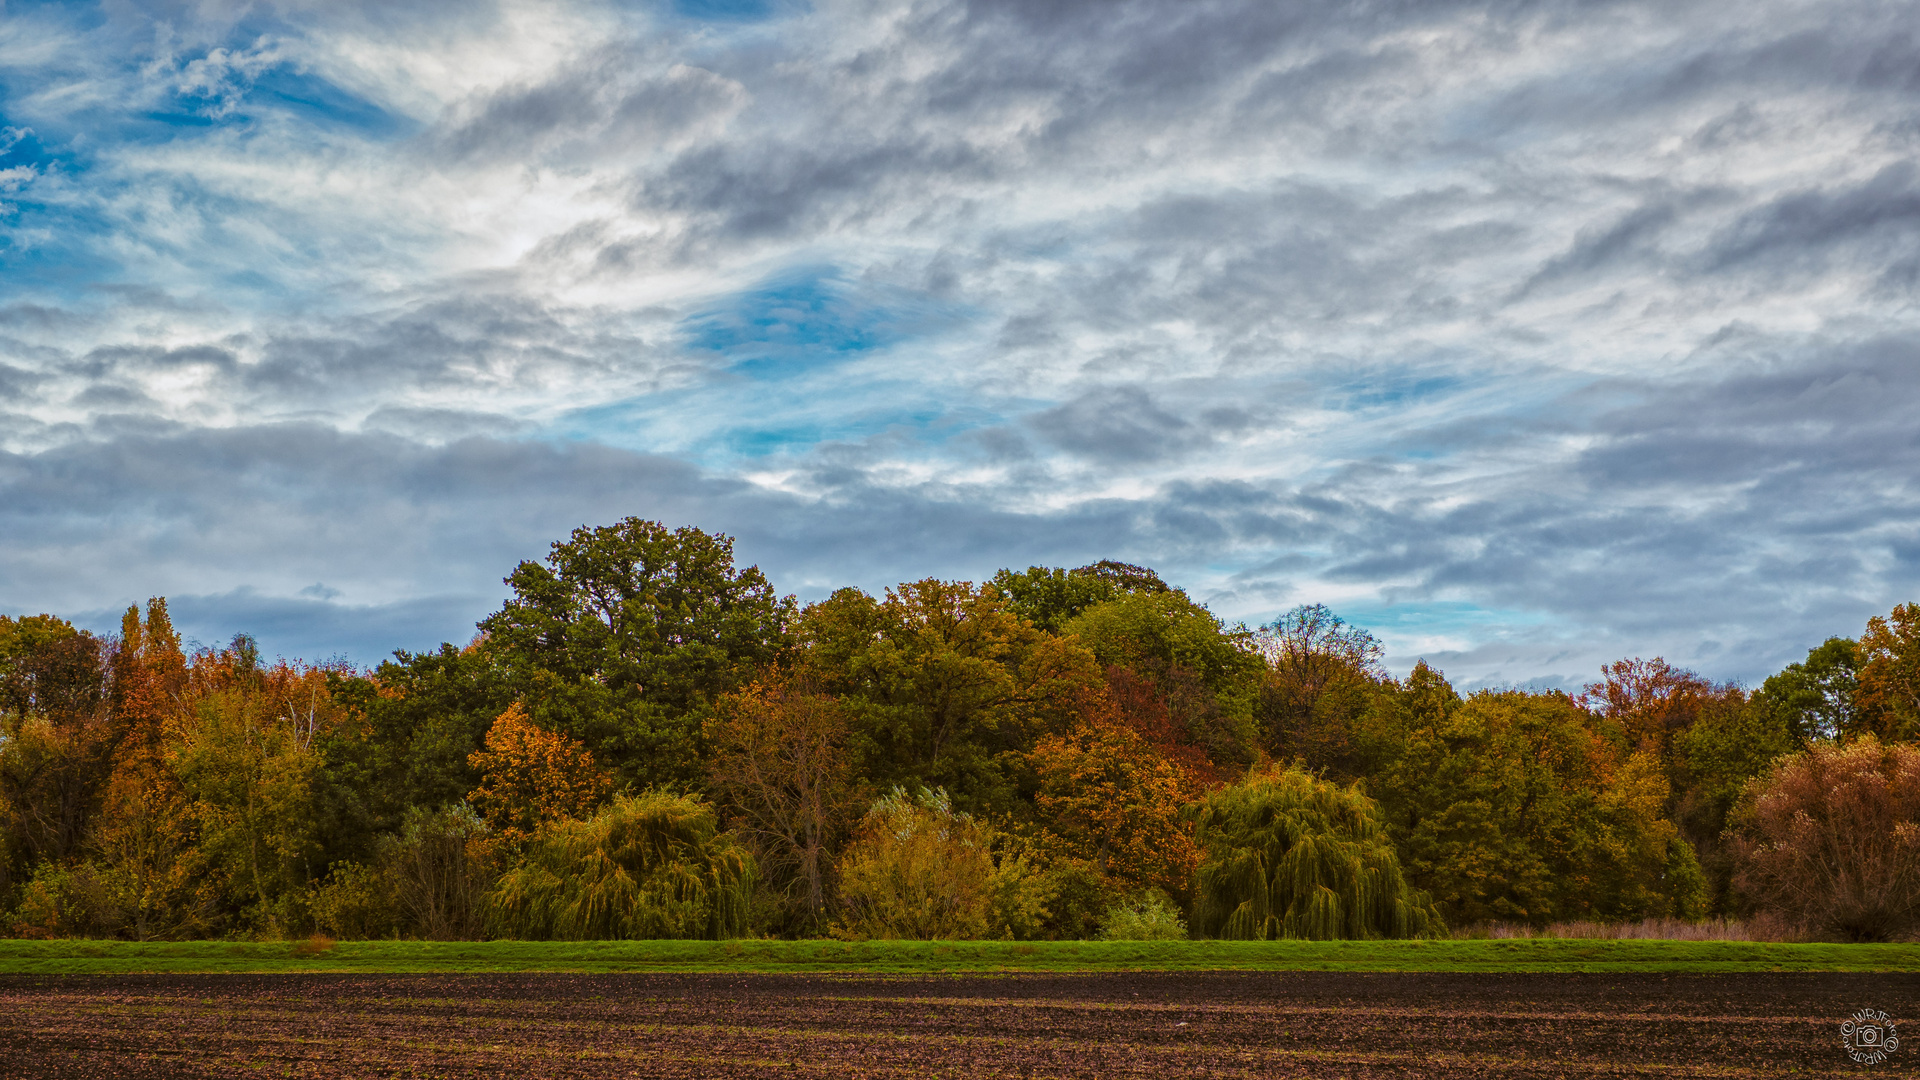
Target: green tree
(1515, 806)
(417, 721)
(626, 636)
(1152, 631)
(57, 740)
(1183, 681)
(1049, 597)
(1732, 741)
(1289, 855)
(945, 687)
(23, 671)
(1814, 698)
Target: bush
(1151, 916)
(442, 864)
(1289, 855)
(921, 871)
(646, 866)
(91, 900)
(63, 902)
(1830, 840)
(356, 903)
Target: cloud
(1536, 333)
(1121, 426)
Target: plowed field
(1276, 1024)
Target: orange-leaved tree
(530, 776)
(1889, 694)
(1115, 801)
(1651, 700)
(146, 836)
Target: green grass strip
(925, 957)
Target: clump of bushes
(1151, 916)
(920, 870)
(430, 880)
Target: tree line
(647, 740)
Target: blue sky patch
(804, 320)
(21, 145)
(1433, 617)
(716, 425)
(727, 10)
(1393, 390)
(313, 98)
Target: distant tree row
(649, 741)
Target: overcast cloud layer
(1527, 335)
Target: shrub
(1150, 916)
(442, 864)
(921, 871)
(1830, 840)
(356, 902)
(652, 865)
(1078, 895)
(62, 902)
(1289, 855)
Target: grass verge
(924, 957)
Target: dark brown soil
(1153, 1025)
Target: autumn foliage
(648, 740)
(782, 764)
(1831, 840)
(530, 776)
(1889, 693)
(1115, 801)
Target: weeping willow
(1289, 855)
(646, 866)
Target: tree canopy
(648, 740)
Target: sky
(1528, 336)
